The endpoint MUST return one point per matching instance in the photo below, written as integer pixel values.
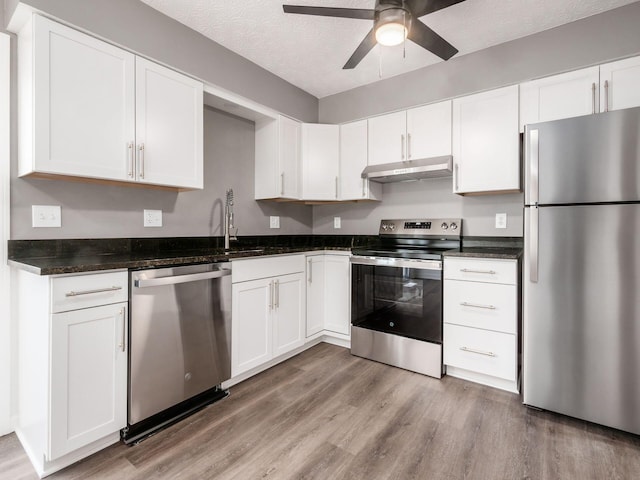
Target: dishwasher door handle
(172, 280)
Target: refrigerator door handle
(533, 244)
(533, 174)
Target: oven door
(397, 296)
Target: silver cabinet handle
(336, 187)
(124, 326)
(478, 305)
(606, 95)
(310, 276)
(402, 146)
(409, 146)
(141, 159)
(468, 270)
(130, 160)
(174, 279)
(271, 295)
(457, 175)
(277, 291)
(533, 244)
(479, 352)
(363, 192)
(73, 293)
(282, 183)
(593, 98)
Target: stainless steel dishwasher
(180, 343)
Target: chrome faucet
(228, 220)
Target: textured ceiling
(309, 51)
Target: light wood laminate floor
(325, 414)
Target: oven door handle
(397, 262)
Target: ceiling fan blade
(427, 38)
(365, 47)
(423, 7)
(361, 13)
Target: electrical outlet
(337, 222)
(153, 218)
(501, 220)
(274, 222)
(46, 216)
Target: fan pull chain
(379, 61)
(404, 41)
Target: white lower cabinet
(481, 321)
(88, 376)
(72, 355)
(268, 312)
(328, 299)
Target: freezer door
(594, 158)
(581, 331)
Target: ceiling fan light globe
(390, 34)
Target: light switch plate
(501, 220)
(337, 222)
(153, 218)
(274, 222)
(46, 216)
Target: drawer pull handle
(468, 270)
(478, 305)
(89, 292)
(479, 352)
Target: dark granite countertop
(505, 253)
(55, 265)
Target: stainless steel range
(396, 294)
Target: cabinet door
(83, 106)
(429, 131)
(288, 313)
(320, 159)
(619, 83)
(315, 294)
(353, 160)
(560, 96)
(169, 124)
(337, 287)
(289, 157)
(88, 376)
(387, 141)
(486, 144)
(251, 329)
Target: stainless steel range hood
(410, 170)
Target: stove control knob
(385, 226)
(392, 226)
(454, 226)
(444, 225)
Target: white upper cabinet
(169, 126)
(486, 143)
(387, 138)
(429, 131)
(320, 161)
(353, 160)
(560, 96)
(77, 104)
(90, 109)
(620, 84)
(277, 162)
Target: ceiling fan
(393, 21)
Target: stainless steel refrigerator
(581, 335)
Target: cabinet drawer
(481, 351)
(83, 291)
(481, 305)
(273, 266)
(481, 270)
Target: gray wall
(431, 198)
(138, 27)
(597, 39)
(104, 211)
